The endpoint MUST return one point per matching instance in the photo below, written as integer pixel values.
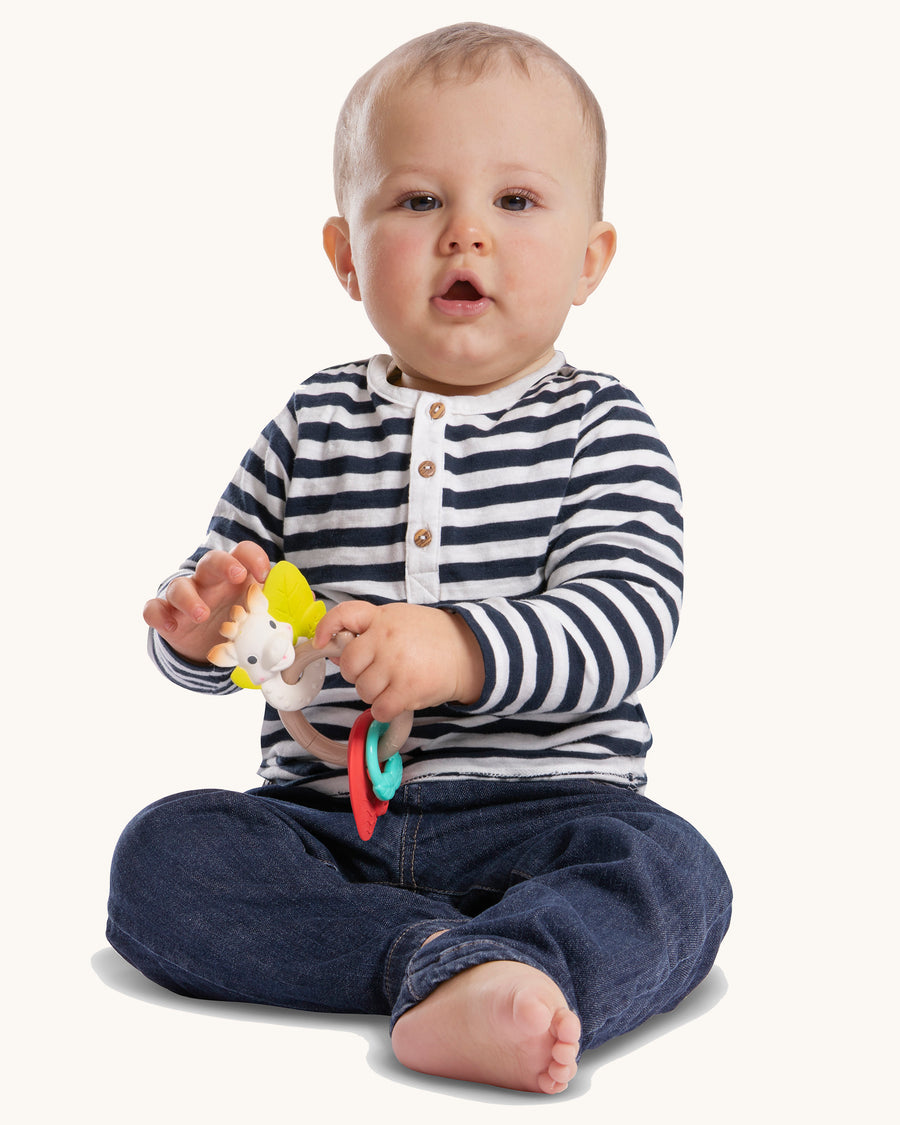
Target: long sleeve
(251, 508)
(600, 629)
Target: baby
(500, 532)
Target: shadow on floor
(118, 975)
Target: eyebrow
(513, 171)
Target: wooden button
(426, 469)
(422, 537)
(436, 410)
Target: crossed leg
(198, 876)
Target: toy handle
(306, 735)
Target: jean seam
(411, 809)
(427, 890)
(412, 858)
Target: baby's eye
(516, 201)
(421, 201)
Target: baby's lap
(539, 827)
(449, 834)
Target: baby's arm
(191, 609)
(405, 657)
(599, 629)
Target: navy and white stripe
(553, 517)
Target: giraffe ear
(223, 656)
(257, 602)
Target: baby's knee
(162, 873)
(161, 846)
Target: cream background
(165, 177)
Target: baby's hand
(405, 657)
(191, 610)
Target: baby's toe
(566, 1027)
(565, 1053)
(548, 1085)
(561, 1072)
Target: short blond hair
(463, 51)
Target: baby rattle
(268, 645)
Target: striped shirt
(546, 514)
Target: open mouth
(462, 291)
(462, 298)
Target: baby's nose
(465, 234)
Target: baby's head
(469, 177)
(463, 53)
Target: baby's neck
(417, 382)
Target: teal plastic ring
(386, 782)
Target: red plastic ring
(367, 808)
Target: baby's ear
(336, 240)
(600, 250)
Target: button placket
(425, 496)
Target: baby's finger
(366, 675)
(220, 566)
(182, 595)
(253, 558)
(387, 705)
(354, 617)
(159, 616)
(357, 658)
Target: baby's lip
(460, 295)
(460, 285)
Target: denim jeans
(270, 897)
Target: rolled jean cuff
(445, 957)
(403, 951)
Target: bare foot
(502, 1023)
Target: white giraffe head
(258, 643)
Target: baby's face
(471, 228)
